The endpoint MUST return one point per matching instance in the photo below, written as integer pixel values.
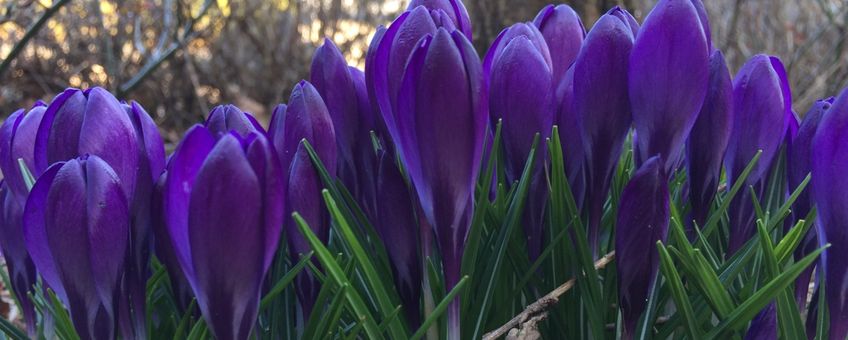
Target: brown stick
(538, 310)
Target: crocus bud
(17, 135)
(602, 106)
(830, 191)
(798, 166)
(22, 274)
(78, 123)
(332, 79)
(442, 118)
(668, 78)
(305, 118)
(77, 230)
(521, 95)
(388, 55)
(453, 9)
(396, 225)
(708, 139)
(225, 118)
(759, 123)
(564, 33)
(224, 212)
(17, 139)
(303, 195)
(643, 217)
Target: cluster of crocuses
(89, 194)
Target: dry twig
(524, 325)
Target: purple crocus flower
(332, 78)
(442, 118)
(668, 78)
(77, 230)
(521, 95)
(602, 105)
(830, 192)
(643, 216)
(798, 166)
(225, 118)
(16, 142)
(305, 118)
(94, 122)
(396, 224)
(564, 33)
(759, 123)
(388, 55)
(708, 140)
(224, 193)
(22, 274)
(453, 9)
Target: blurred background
(181, 57)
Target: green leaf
(374, 280)
(335, 273)
(788, 319)
(512, 220)
(748, 309)
(678, 292)
(475, 231)
(184, 321)
(11, 330)
(284, 281)
(712, 222)
(29, 179)
(440, 309)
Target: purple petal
(564, 33)
(441, 124)
(182, 171)
(306, 117)
(396, 224)
(521, 95)
(830, 191)
(643, 217)
(35, 233)
(758, 124)
(226, 118)
(58, 134)
(22, 275)
(225, 212)
(455, 9)
(108, 132)
(18, 137)
(602, 105)
(266, 166)
(304, 197)
(570, 137)
(669, 74)
(708, 140)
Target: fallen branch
(523, 325)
